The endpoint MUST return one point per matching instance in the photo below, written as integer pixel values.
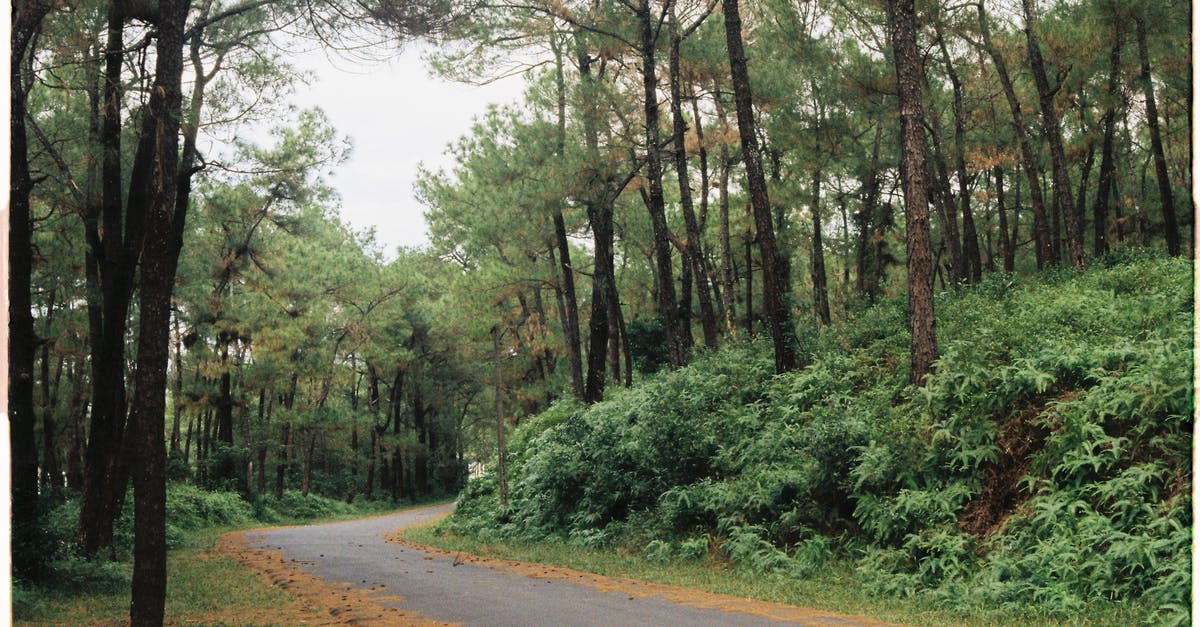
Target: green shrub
(296, 506)
(190, 507)
(1044, 466)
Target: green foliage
(189, 507)
(647, 343)
(296, 506)
(1046, 464)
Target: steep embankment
(1047, 463)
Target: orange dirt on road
(389, 581)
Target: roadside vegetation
(187, 305)
(1045, 469)
(205, 587)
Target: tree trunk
(113, 260)
(22, 340)
(692, 255)
(371, 452)
(614, 340)
(600, 216)
(1008, 246)
(820, 288)
(655, 204)
(939, 192)
(501, 452)
(970, 247)
(1166, 197)
(775, 308)
(421, 459)
(281, 465)
(1107, 175)
(618, 331)
(1033, 172)
(397, 470)
(868, 268)
(916, 204)
(1063, 202)
(567, 272)
(748, 239)
(727, 270)
(159, 261)
(51, 472)
(307, 461)
(704, 252)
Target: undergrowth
(191, 513)
(1044, 466)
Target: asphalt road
(355, 553)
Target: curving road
(443, 588)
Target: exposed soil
(1000, 495)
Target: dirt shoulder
(315, 601)
(639, 589)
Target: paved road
(355, 553)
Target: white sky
(397, 117)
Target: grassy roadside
(203, 587)
(836, 589)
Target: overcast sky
(397, 117)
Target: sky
(397, 117)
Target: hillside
(1046, 464)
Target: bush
(1045, 464)
(647, 344)
(190, 507)
(295, 506)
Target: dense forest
(883, 274)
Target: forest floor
(362, 572)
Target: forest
(781, 282)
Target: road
(437, 587)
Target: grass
(835, 589)
(203, 588)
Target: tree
(923, 351)
(1063, 203)
(1041, 229)
(691, 249)
(1107, 162)
(26, 19)
(777, 317)
(970, 239)
(1165, 196)
(163, 242)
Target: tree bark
(1033, 172)
(600, 217)
(916, 204)
(666, 297)
(1063, 202)
(22, 339)
(567, 272)
(703, 251)
(1008, 247)
(159, 261)
(820, 287)
(501, 452)
(1104, 193)
(970, 243)
(775, 309)
(1165, 195)
(724, 249)
(942, 199)
(866, 280)
(692, 254)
